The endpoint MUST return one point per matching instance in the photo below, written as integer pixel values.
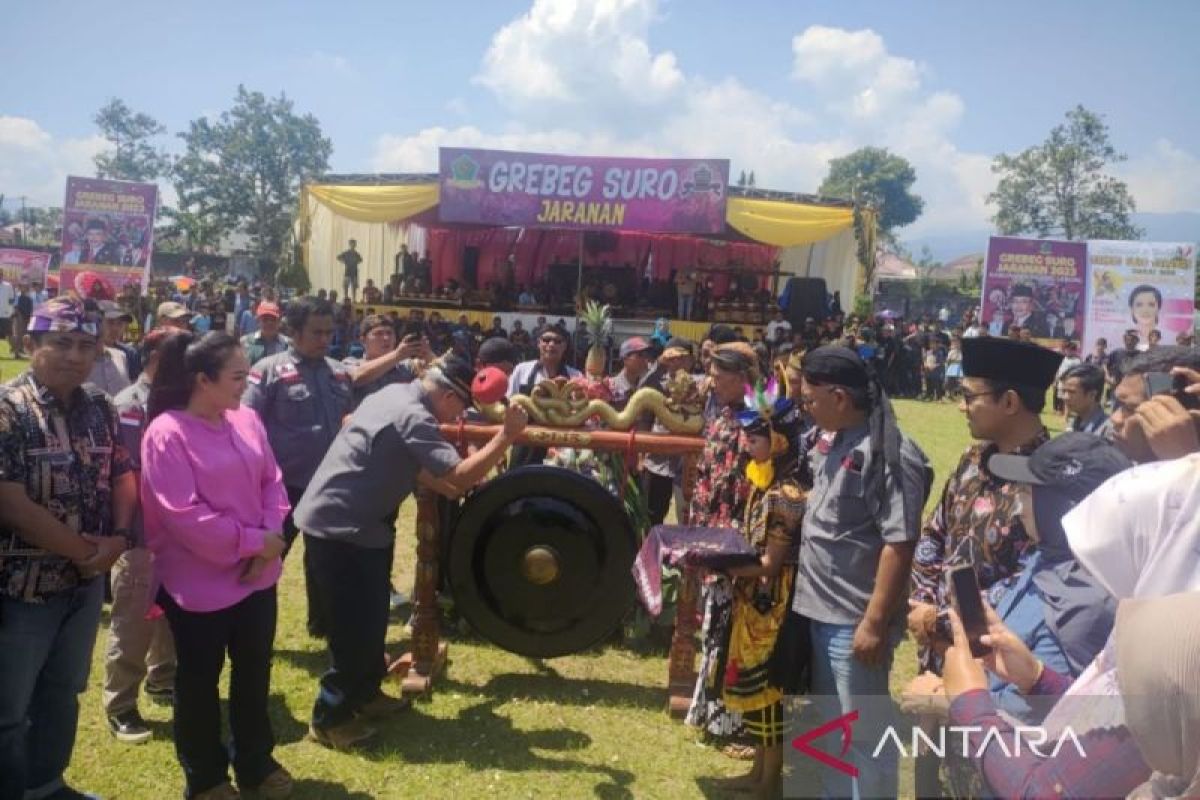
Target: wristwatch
(127, 535)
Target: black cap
(454, 373)
(835, 365)
(1021, 290)
(496, 351)
(1010, 361)
(1074, 463)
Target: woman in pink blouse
(213, 502)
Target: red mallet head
(490, 386)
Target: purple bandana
(63, 315)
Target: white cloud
(1165, 179)
(589, 56)
(582, 76)
(36, 164)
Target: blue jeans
(45, 655)
(840, 684)
(685, 306)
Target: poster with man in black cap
(389, 446)
(1024, 316)
(978, 518)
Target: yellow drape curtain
(389, 203)
(785, 224)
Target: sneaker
(277, 786)
(129, 727)
(398, 600)
(222, 791)
(346, 736)
(164, 697)
(384, 705)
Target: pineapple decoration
(599, 325)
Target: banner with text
(1038, 284)
(24, 266)
(495, 187)
(108, 236)
(1144, 286)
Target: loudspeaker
(806, 298)
(470, 270)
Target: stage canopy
(810, 236)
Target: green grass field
(497, 725)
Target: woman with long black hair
(213, 503)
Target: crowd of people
(185, 459)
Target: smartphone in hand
(968, 604)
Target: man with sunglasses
(551, 363)
(978, 518)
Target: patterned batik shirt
(977, 521)
(721, 485)
(67, 459)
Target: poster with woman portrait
(1147, 287)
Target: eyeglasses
(969, 396)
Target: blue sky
(778, 87)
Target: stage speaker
(470, 269)
(806, 297)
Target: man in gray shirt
(390, 445)
(860, 529)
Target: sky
(777, 87)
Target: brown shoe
(384, 705)
(346, 736)
(277, 786)
(222, 791)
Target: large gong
(539, 561)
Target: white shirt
(8, 296)
(775, 326)
(530, 373)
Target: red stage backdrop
(496, 187)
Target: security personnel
(267, 340)
(301, 395)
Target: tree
(872, 176)
(243, 172)
(132, 157)
(1059, 188)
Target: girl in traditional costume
(762, 588)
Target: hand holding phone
(968, 604)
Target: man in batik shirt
(978, 517)
(67, 498)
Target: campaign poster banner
(1143, 286)
(1038, 284)
(497, 187)
(108, 236)
(23, 266)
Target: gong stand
(418, 668)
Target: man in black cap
(1020, 302)
(978, 518)
(390, 444)
(860, 527)
(499, 353)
